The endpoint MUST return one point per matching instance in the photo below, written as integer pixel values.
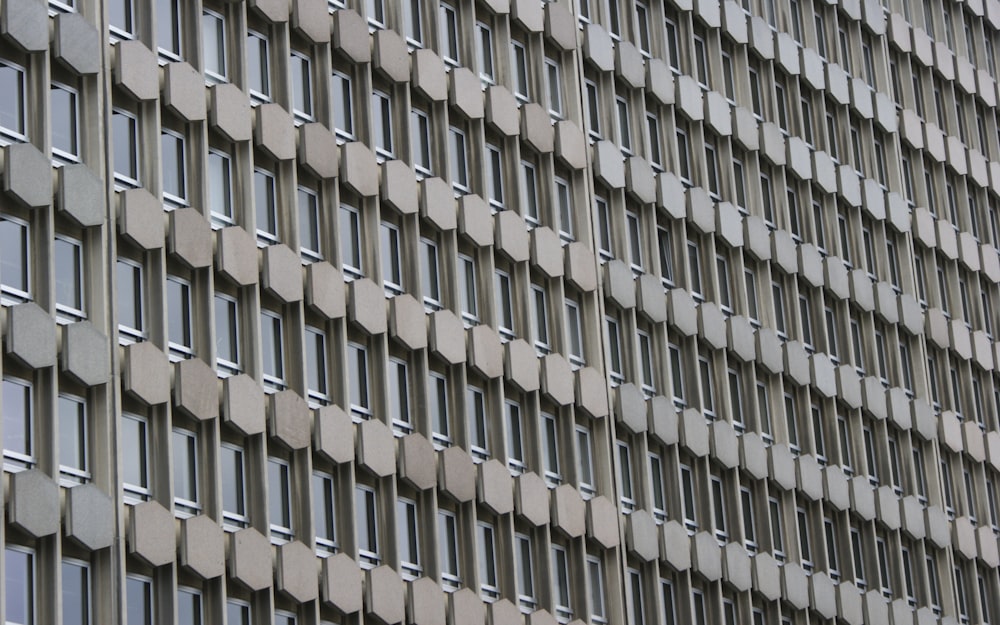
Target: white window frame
(135, 493)
(280, 533)
(271, 213)
(449, 41)
(489, 580)
(469, 290)
(226, 186)
(561, 585)
(529, 194)
(420, 143)
(234, 519)
(72, 155)
(383, 130)
(317, 368)
(398, 390)
(359, 410)
(484, 51)
(554, 90)
(449, 552)
(514, 423)
(174, 199)
(495, 175)
(563, 201)
(527, 597)
(186, 506)
(391, 249)
(439, 409)
(520, 74)
(272, 327)
(341, 92)
(19, 460)
(261, 92)
(310, 224)
(215, 23)
(506, 319)
(430, 275)
(324, 512)
(232, 324)
(540, 317)
(585, 462)
(366, 517)
(21, 263)
(477, 422)
(127, 333)
(179, 312)
(574, 334)
(408, 538)
(551, 464)
(302, 86)
(66, 313)
(175, 32)
(80, 431)
(350, 227)
(458, 154)
(123, 179)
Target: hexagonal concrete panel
(184, 91)
(465, 93)
(602, 521)
(485, 351)
(296, 571)
(384, 598)
(140, 219)
(428, 75)
(290, 420)
(501, 111)
(31, 336)
(85, 354)
(437, 204)
(136, 71)
(146, 373)
(557, 379)
(475, 220)
(706, 557)
(547, 252)
(366, 306)
(27, 175)
(80, 196)
(318, 152)
(642, 536)
(333, 434)
(466, 608)
(510, 234)
(325, 292)
(494, 487)
(202, 547)
(341, 583)
(630, 408)
(376, 448)
(447, 337)
(26, 24)
(282, 273)
(89, 517)
(408, 322)
(359, 169)
(243, 404)
(425, 602)
(250, 559)
(229, 112)
(569, 511)
(456, 474)
(417, 461)
(33, 503)
(592, 392)
(151, 534)
(521, 365)
(190, 239)
(531, 499)
(236, 255)
(196, 389)
(399, 187)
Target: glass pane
(72, 433)
(75, 594)
(17, 418)
(220, 187)
(172, 164)
(231, 464)
(64, 121)
(133, 445)
(213, 34)
(14, 255)
(12, 99)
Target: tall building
(499, 311)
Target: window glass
(65, 122)
(185, 461)
(75, 592)
(131, 311)
(324, 519)
(279, 495)
(19, 586)
(316, 365)
(350, 240)
(475, 405)
(302, 97)
(272, 349)
(448, 549)
(392, 266)
(138, 600)
(266, 206)
(399, 396)
(408, 538)
(233, 471)
(15, 246)
(220, 188)
(448, 29)
(258, 66)
(172, 164)
(73, 458)
(125, 134)
(134, 445)
(168, 28)
(227, 338)
(189, 609)
(343, 106)
(179, 329)
(68, 262)
(213, 37)
(366, 507)
(18, 419)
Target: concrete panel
(836, 487)
(706, 557)
(317, 151)
(795, 586)
(428, 75)
(31, 336)
(33, 503)
(659, 81)
(689, 98)
(229, 112)
(781, 464)
(85, 355)
(501, 111)
(682, 313)
(618, 284)
(358, 169)
(296, 572)
(725, 444)
(425, 602)
(740, 337)
(383, 593)
(136, 71)
(766, 576)
(630, 408)
(349, 35)
(547, 252)
(333, 434)
(376, 448)
(456, 474)
(202, 547)
(602, 522)
(446, 337)
(663, 421)
(694, 432)
(89, 517)
(189, 236)
(568, 511)
(290, 421)
(140, 219)
(494, 487)
(236, 255)
(150, 534)
(407, 322)
(629, 65)
(250, 559)
(675, 546)
(146, 373)
(243, 404)
(531, 499)
(485, 352)
(196, 389)
(598, 48)
(390, 56)
(80, 195)
(281, 273)
(753, 455)
(27, 175)
(521, 365)
(736, 568)
(325, 291)
(757, 238)
(466, 95)
(311, 19)
(184, 91)
(340, 581)
(366, 306)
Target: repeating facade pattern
(499, 311)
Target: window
(19, 586)
(316, 365)
(213, 37)
(540, 306)
(390, 247)
(310, 245)
(324, 519)
(505, 305)
(408, 538)
(272, 350)
(484, 46)
(554, 85)
(135, 463)
(375, 11)
(550, 450)
(515, 438)
(494, 179)
(635, 603)
(173, 167)
(185, 464)
(350, 241)
(486, 543)
(131, 307)
(189, 606)
(227, 334)
(595, 575)
(413, 22)
(459, 160)
(420, 142)
(65, 117)
(585, 462)
(233, 471)
(68, 265)
(265, 197)
(18, 424)
(357, 365)
(258, 67)
(634, 242)
(625, 477)
(525, 573)
(282, 617)
(121, 20)
(593, 102)
(448, 29)
(343, 105)
(366, 509)
(125, 133)
(430, 275)
(220, 188)
(665, 256)
(180, 332)
(399, 396)
(749, 524)
(574, 334)
(657, 486)
(382, 126)
(468, 291)
(448, 549)
(677, 375)
(777, 529)
(475, 406)
(519, 70)
(74, 459)
(75, 592)
(529, 194)
(655, 148)
(563, 201)
(15, 267)
(302, 97)
(437, 408)
(139, 607)
(688, 499)
(279, 498)
(561, 583)
(168, 29)
(719, 510)
(616, 358)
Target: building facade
(499, 311)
